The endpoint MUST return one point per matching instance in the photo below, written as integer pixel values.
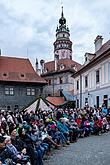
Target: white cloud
(32, 23)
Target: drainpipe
(80, 91)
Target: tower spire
(62, 15)
(62, 20)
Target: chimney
(42, 66)
(98, 43)
(36, 64)
(38, 70)
(56, 61)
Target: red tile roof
(19, 70)
(56, 100)
(69, 64)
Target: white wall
(104, 68)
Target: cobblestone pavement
(93, 150)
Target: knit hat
(7, 138)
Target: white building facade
(92, 81)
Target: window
(77, 103)
(86, 101)
(22, 75)
(61, 80)
(106, 100)
(70, 57)
(30, 91)
(49, 82)
(97, 101)
(97, 76)
(9, 91)
(86, 81)
(4, 74)
(77, 84)
(85, 58)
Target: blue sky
(27, 27)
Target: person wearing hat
(16, 141)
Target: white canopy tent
(39, 103)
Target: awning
(56, 100)
(68, 96)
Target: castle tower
(62, 45)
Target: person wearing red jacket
(97, 126)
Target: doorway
(106, 100)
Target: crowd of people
(29, 137)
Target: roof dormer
(88, 57)
(62, 66)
